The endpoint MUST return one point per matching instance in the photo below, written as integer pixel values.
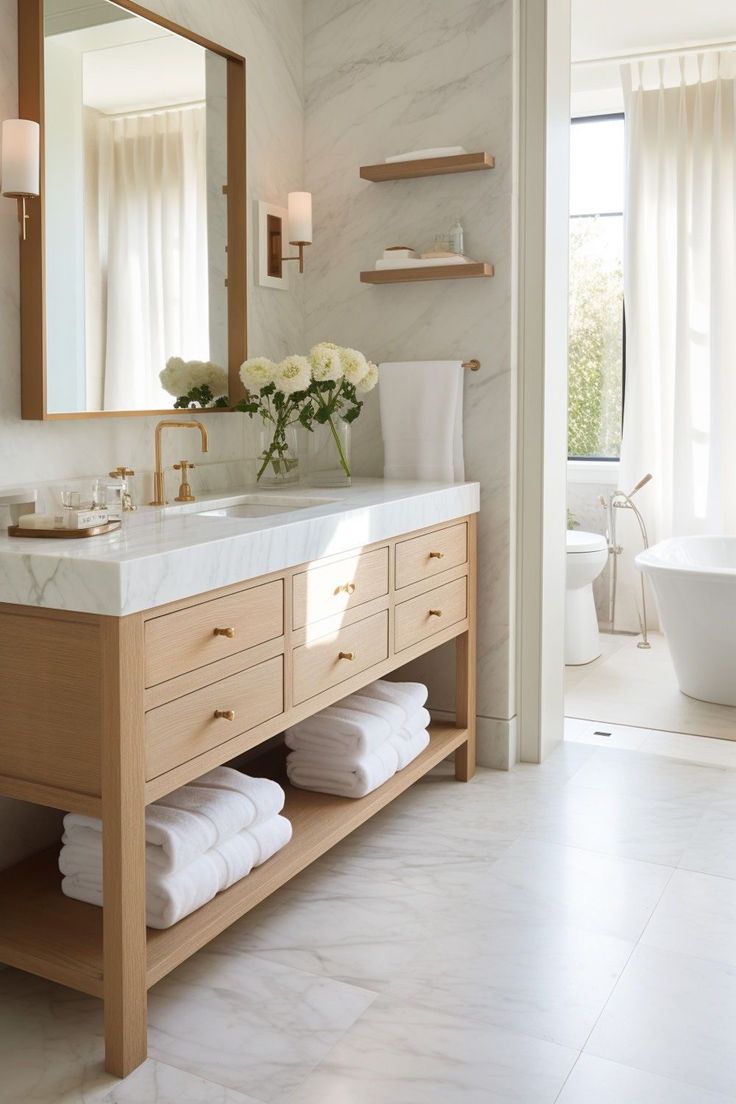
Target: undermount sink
(265, 505)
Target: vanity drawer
(323, 591)
(192, 637)
(332, 659)
(422, 557)
(183, 729)
(421, 617)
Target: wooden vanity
(102, 715)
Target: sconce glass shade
(300, 217)
(20, 158)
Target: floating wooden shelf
(46, 933)
(477, 269)
(427, 166)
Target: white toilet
(587, 554)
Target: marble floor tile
(696, 916)
(619, 823)
(712, 847)
(672, 1015)
(600, 734)
(247, 1023)
(651, 777)
(521, 972)
(365, 939)
(630, 686)
(156, 1083)
(693, 749)
(51, 1043)
(596, 1081)
(573, 886)
(403, 1054)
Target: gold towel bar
(473, 365)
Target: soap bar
(41, 521)
(85, 519)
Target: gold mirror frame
(32, 304)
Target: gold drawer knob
(435, 613)
(436, 555)
(346, 655)
(346, 588)
(225, 714)
(229, 633)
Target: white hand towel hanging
(421, 406)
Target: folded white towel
(326, 774)
(410, 696)
(415, 723)
(188, 822)
(409, 746)
(171, 897)
(421, 405)
(355, 732)
(390, 712)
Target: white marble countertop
(163, 555)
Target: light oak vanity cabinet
(102, 715)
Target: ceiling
(606, 28)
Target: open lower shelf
(472, 271)
(46, 933)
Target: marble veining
(160, 556)
(382, 77)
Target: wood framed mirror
(136, 246)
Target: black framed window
(597, 347)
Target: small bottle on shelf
(456, 237)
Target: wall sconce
(20, 164)
(299, 218)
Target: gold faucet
(158, 475)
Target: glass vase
(278, 457)
(325, 454)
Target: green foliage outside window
(595, 369)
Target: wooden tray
(65, 534)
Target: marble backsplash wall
(270, 36)
(382, 77)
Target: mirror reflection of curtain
(146, 251)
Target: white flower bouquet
(195, 383)
(318, 389)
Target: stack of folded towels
(199, 840)
(355, 746)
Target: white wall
(270, 36)
(382, 77)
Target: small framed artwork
(270, 240)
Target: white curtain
(152, 232)
(680, 294)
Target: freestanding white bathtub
(694, 583)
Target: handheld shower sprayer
(642, 483)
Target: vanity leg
(123, 841)
(465, 671)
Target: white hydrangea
(369, 380)
(257, 372)
(180, 376)
(214, 376)
(174, 377)
(293, 374)
(326, 362)
(354, 365)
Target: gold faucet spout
(158, 475)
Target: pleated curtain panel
(680, 295)
(148, 229)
